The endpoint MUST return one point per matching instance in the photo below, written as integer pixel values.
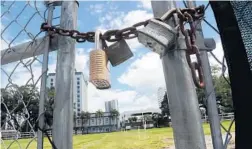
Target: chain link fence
(21, 76)
(20, 73)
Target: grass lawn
(155, 138)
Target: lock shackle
(168, 14)
(98, 40)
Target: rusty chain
(186, 15)
(190, 40)
(116, 35)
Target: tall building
(160, 95)
(80, 101)
(110, 105)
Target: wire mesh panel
(20, 73)
(243, 15)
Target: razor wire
(20, 81)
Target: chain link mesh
(243, 15)
(20, 81)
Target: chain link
(190, 40)
(116, 35)
(185, 15)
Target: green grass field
(156, 138)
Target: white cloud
(128, 99)
(21, 74)
(145, 73)
(146, 4)
(96, 8)
(119, 20)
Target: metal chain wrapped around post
(190, 40)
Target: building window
(78, 87)
(78, 91)
(78, 109)
(78, 105)
(78, 82)
(93, 129)
(51, 84)
(51, 80)
(107, 120)
(78, 96)
(78, 78)
(78, 114)
(92, 120)
(78, 100)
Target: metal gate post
(63, 111)
(43, 95)
(212, 109)
(183, 103)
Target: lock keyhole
(149, 44)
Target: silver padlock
(118, 52)
(158, 36)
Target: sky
(134, 82)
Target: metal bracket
(54, 2)
(207, 44)
(57, 2)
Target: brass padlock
(99, 72)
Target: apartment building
(80, 101)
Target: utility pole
(181, 93)
(63, 111)
(212, 109)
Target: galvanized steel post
(212, 109)
(43, 94)
(63, 111)
(183, 102)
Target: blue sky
(134, 83)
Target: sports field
(157, 138)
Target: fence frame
(63, 111)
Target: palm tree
(134, 119)
(99, 114)
(114, 113)
(74, 120)
(86, 118)
(82, 117)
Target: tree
(20, 101)
(114, 113)
(99, 114)
(74, 121)
(165, 111)
(84, 118)
(130, 119)
(49, 106)
(87, 117)
(134, 119)
(156, 117)
(222, 91)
